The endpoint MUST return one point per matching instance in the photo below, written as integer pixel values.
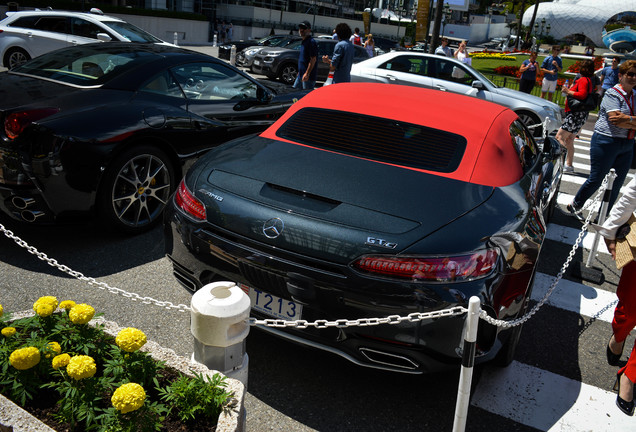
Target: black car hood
(19, 90)
(316, 194)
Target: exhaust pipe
(31, 216)
(22, 203)
(389, 359)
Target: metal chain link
(91, 281)
(518, 321)
(361, 322)
(339, 323)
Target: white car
(447, 74)
(28, 34)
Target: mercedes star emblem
(273, 228)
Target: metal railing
(513, 83)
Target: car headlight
(251, 52)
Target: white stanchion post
(176, 38)
(233, 55)
(602, 214)
(468, 361)
(214, 40)
(219, 324)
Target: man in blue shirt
(551, 67)
(609, 76)
(307, 70)
(343, 54)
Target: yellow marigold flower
(81, 313)
(129, 397)
(25, 358)
(60, 361)
(130, 339)
(8, 331)
(55, 347)
(1, 310)
(45, 306)
(67, 304)
(80, 367)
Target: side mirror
(552, 148)
(478, 85)
(263, 96)
(104, 37)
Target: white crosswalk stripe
(541, 399)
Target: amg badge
(380, 242)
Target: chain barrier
(340, 323)
(566, 264)
(91, 281)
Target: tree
(521, 11)
(534, 16)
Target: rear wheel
(14, 57)
(136, 189)
(288, 73)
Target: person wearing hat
(307, 70)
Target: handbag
(626, 243)
(586, 105)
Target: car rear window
(376, 138)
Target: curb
(232, 419)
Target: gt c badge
(272, 228)
(380, 242)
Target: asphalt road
(292, 388)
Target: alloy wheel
(141, 190)
(288, 74)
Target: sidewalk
(205, 49)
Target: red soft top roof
(490, 158)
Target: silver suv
(28, 34)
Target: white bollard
(219, 324)
(176, 38)
(468, 361)
(602, 214)
(214, 40)
(233, 55)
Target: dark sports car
(225, 49)
(110, 128)
(353, 206)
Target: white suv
(28, 34)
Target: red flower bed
(512, 71)
(598, 63)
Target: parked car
(282, 63)
(108, 129)
(384, 45)
(28, 34)
(226, 48)
(450, 75)
(364, 202)
(245, 58)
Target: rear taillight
(189, 203)
(431, 269)
(16, 122)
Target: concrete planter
(232, 419)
